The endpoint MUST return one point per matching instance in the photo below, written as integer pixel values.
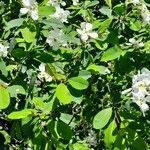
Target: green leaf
(63, 94)
(3, 68)
(135, 25)
(45, 11)
(78, 83)
(20, 114)
(44, 57)
(16, 89)
(139, 144)
(18, 53)
(108, 2)
(80, 146)
(101, 69)
(4, 98)
(14, 23)
(102, 118)
(109, 135)
(119, 9)
(28, 34)
(64, 130)
(39, 104)
(104, 25)
(60, 130)
(85, 74)
(68, 119)
(106, 11)
(111, 54)
(6, 136)
(91, 3)
(55, 23)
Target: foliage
(74, 74)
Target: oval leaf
(101, 69)
(111, 54)
(109, 135)
(78, 83)
(28, 34)
(16, 89)
(4, 98)
(102, 118)
(63, 94)
(80, 146)
(20, 114)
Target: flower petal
(93, 35)
(24, 10)
(34, 14)
(89, 26)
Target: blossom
(135, 43)
(55, 38)
(3, 50)
(92, 139)
(75, 2)
(56, 2)
(43, 74)
(141, 103)
(145, 13)
(30, 6)
(61, 14)
(134, 2)
(86, 31)
(140, 90)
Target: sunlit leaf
(102, 118)
(20, 114)
(4, 98)
(63, 94)
(78, 83)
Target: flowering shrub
(74, 74)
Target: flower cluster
(75, 2)
(134, 2)
(59, 13)
(43, 74)
(55, 38)
(145, 13)
(141, 89)
(31, 7)
(56, 2)
(92, 139)
(3, 50)
(86, 31)
(135, 43)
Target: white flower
(140, 90)
(145, 13)
(55, 38)
(75, 2)
(56, 2)
(61, 14)
(30, 6)
(143, 75)
(43, 75)
(135, 43)
(3, 50)
(134, 2)
(141, 103)
(141, 83)
(86, 31)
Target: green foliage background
(82, 108)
